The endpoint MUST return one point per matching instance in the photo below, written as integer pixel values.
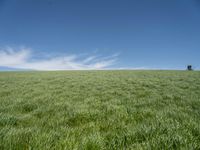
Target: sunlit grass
(100, 110)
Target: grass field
(100, 110)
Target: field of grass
(100, 110)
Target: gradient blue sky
(98, 34)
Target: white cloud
(10, 58)
(24, 59)
(89, 59)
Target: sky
(99, 34)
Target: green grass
(100, 110)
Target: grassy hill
(100, 110)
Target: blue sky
(94, 34)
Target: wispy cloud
(24, 59)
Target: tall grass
(100, 110)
